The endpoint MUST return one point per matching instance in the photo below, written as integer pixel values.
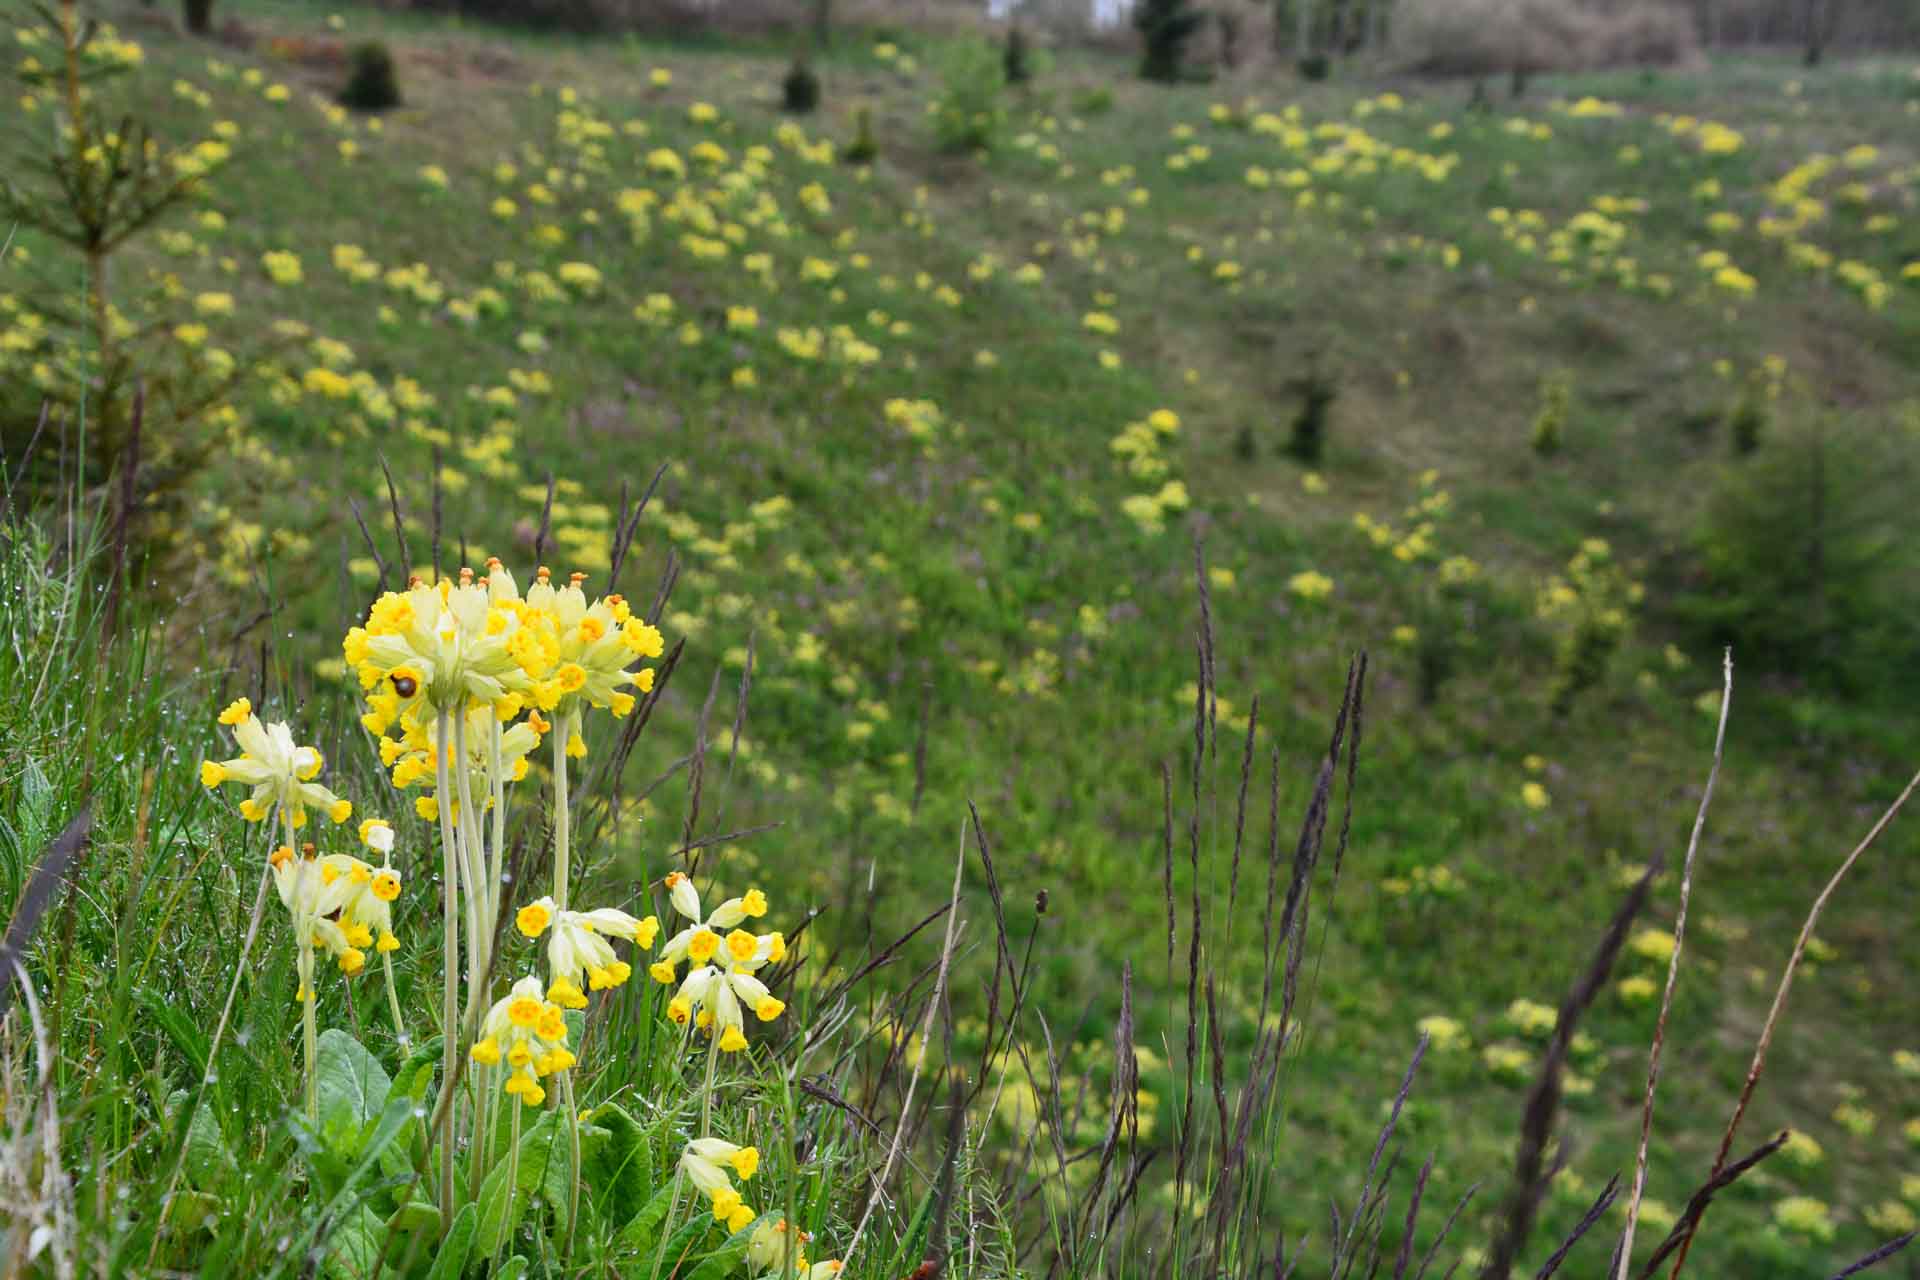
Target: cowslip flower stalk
(281, 776)
(450, 667)
(450, 975)
(593, 644)
(339, 902)
(564, 731)
(513, 1178)
(694, 1005)
(309, 1030)
(212, 775)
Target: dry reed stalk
(1673, 974)
(1697, 1202)
(926, 1029)
(1543, 1100)
(399, 523)
(1607, 1196)
(1780, 1000)
(1878, 1256)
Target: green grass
(982, 591)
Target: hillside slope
(943, 432)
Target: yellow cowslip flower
(414, 756)
(711, 1164)
(591, 647)
(713, 995)
(365, 897)
(366, 910)
(314, 890)
(282, 267)
(530, 1034)
(579, 946)
(280, 772)
(449, 645)
(1310, 585)
(773, 1247)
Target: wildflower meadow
(894, 641)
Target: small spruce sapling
(800, 89)
(863, 150)
(1307, 439)
(1550, 424)
(373, 85)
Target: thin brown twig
(1780, 999)
(399, 526)
(926, 1028)
(1697, 1202)
(1673, 973)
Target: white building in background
(1102, 13)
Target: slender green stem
(513, 1176)
(496, 868)
(449, 994)
(562, 850)
(666, 1226)
(240, 970)
(483, 1122)
(790, 1248)
(706, 1092)
(563, 730)
(573, 1128)
(393, 1007)
(309, 1029)
(473, 863)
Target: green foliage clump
(1307, 438)
(1165, 26)
(969, 114)
(1804, 560)
(1314, 66)
(1550, 424)
(800, 89)
(1592, 603)
(1096, 101)
(93, 187)
(864, 149)
(1446, 594)
(373, 84)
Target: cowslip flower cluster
(309, 902)
(711, 1164)
(414, 756)
(775, 1247)
(530, 1035)
(338, 904)
(478, 644)
(446, 646)
(280, 772)
(720, 981)
(579, 947)
(592, 643)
